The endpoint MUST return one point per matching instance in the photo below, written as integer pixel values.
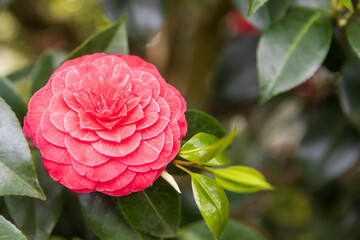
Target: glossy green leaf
(44, 68)
(12, 98)
(201, 122)
(319, 5)
(212, 203)
(254, 5)
(235, 230)
(330, 147)
(271, 12)
(348, 4)
(291, 51)
(8, 231)
(37, 218)
(349, 90)
(16, 169)
(155, 210)
(103, 216)
(241, 179)
(203, 148)
(112, 40)
(197, 146)
(353, 33)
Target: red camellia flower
(107, 123)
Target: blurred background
(299, 140)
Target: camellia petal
(107, 123)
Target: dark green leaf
(103, 216)
(112, 40)
(212, 203)
(319, 5)
(330, 147)
(20, 74)
(201, 122)
(235, 230)
(203, 148)
(16, 169)
(155, 211)
(8, 231)
(348, 4)
(241, 179)
(271, 12)
(254, 5)
(291, 51)
(198, 145)
(353, 33)
(12, 98)
(44, 68)
(37, 218)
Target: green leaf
(37, 218)
(198, 121)
(254, 5)
(271, 12)
(16, 169)
(203, 148)
(241, 179)
(44, 68)
(319, 5)
(348, 4)
(12, 97)
(8, 231)
(330, 147)
(212, 203)
(112, 40)
(197, 146)
(155, 211)
(235, 229)
(291, 51)
(20, 74)
(103, 216)
(353, 33)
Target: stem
(190, 164)
(184, 169)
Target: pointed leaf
(234, 230)
(37, 218)
(44, 68)
(348, 4)
(12, 98)
(170, 179)
(197, 146)
(201, 122)
(112, 40)
(291, 51)
(8, 231)
(103, 216)
(155, 211)
(353, 33)
(212, 203)
(16, 169)
(241, 179)
(254, 5)
(203, 148)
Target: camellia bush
(105, 147)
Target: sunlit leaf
(112, 40)
(348, 4)
(203, 148)
(103, 216)
(198, 121)
(12, 98)
(16, 169)
(37, 218)
(234, 230)
(291, 51)
(160, 204)
(241, 179)
(353, 33)
(212, 203)
(8, 231)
